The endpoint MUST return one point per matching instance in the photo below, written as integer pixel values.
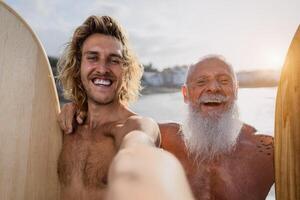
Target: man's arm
(69, 116)
(140, 130)
(140, 171)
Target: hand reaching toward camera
(145, 172)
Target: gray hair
(210, 57)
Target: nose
(102, 67)
(213, 86)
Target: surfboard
(30, 137)
(287, 126)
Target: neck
(100, 114)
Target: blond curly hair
(69, 62)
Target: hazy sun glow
(275, 59)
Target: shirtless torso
(247, 173)
(100, 73)
(83, 165)
(86, 156)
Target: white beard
(208, 137)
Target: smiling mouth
(102, 82)
(212, 104)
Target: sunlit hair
(210, 57)
(69, 62)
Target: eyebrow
(96, 53)
(227, 75)
(115, 55)
(90, 52)
(201, 77)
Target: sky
(250, 34)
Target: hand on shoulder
(69, 117)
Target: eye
(224, 80)
(201, 82)
(92, 58)
(115, 61)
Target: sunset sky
(251, 34)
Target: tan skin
(133, 177)
(246, 173)
(210, 76)
(86, 155)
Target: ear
(184, 91)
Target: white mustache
(213, 98)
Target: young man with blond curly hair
(101, 76)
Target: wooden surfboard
(287, 126)
(30, 138)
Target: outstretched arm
(140, 130)
(142, 171)
(145, 172)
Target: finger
(69, 117)
(80, 117)
(61, 120)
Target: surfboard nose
(287, 126)
(30, 137)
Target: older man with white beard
(224, 159)
(212, 124)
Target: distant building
(152, 79)
(174, 77)
(179, 74)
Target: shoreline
(148, 90)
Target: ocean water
(256, 107)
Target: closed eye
(201, 82)
(92, 58)
(115, 61)
(224, 81)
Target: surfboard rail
(30, 137)
(287, 126)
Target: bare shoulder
(258, 147)
(143, 124)
(264, 158)
(172, 137)
(263, 139)
(257, 152)
(262, 144)
(251, 136)
(170, 128)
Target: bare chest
(232, 179)
(85, 159)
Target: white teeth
(102, 82)
(213, 98)
(212, 101)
